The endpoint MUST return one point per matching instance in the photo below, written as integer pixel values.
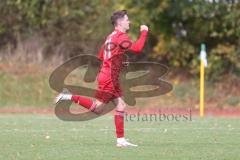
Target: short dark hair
(117, 15)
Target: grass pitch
(35, 136)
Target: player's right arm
(101, 52)
(127, 44)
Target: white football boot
(63, 96)
(122, 142)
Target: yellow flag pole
(203, 64)
(201, 88)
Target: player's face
(124, 23)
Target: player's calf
(81, 100)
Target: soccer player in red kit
(111, 55)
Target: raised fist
(143, 27)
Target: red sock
(83, 101)
(119, 123)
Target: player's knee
(121, 107)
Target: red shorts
(108, 89)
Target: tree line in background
(177, 28)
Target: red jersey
(116, 44)
(111, 54)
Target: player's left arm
(127, 44)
